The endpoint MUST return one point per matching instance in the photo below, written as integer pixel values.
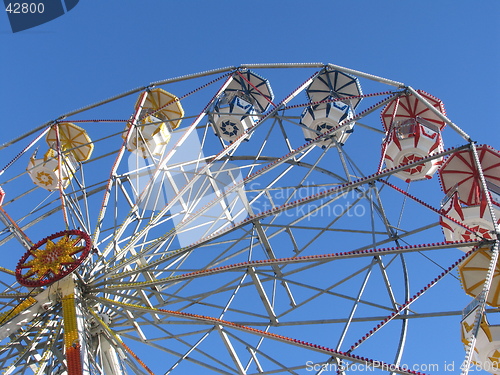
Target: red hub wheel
(53, 258)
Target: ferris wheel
(218, 223)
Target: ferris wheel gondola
(413, 133)
(460, 172)
(334, 96)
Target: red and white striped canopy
(410, 107)
(460, 170)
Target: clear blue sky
(104, 47)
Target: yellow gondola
(473, 275)
(73, 139)
(160, 113)
(162, 105)
(49, 172)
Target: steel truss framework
(265, 255)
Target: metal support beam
(263, 295)
(15, 229)
(231, 351)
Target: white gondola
(413, 133)
(324, 117)
(237, 108)
(340, 93)
(52, 170)
(232, 116)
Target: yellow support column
(71, 339)
(74, 326)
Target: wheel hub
(53, 258)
